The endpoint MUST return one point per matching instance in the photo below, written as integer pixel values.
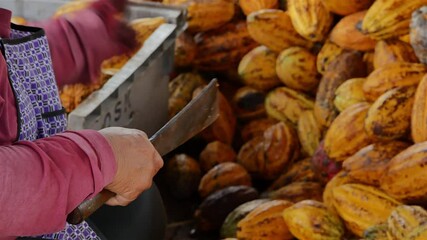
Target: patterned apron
(40, 113)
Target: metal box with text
(137, 95)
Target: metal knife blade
(198, 114)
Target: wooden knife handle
(85, 209)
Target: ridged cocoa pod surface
(346, 35)
(311, 220)
(404, 220)
(214, 153)
(222, 49)
(399, 74)
(389, 18)
(391, 51)
(265, 222)
(362, 206)
(310, 18)
(347, 134)
(223, 175)
(266, 157)
(369, 163)
(389, 117)
(273, 28)
(347, 65)
(405, 178)
(347, 7)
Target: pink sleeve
(42, 181)
(80, 41)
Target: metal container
(137, 95)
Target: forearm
(42, 181)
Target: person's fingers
(125, 35)
(118, 200)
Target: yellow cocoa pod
(419, 233)
(391, 51)
(181, 91)
(347, 7)
(273, 28)
(369, 163)
(389, 18)
(265, 222)
(258, 69)
(393, 75)
(362, 206)
(346, 35)
(296, 68)
(297, 191)
(404, 219)
(300, 171)
(389, 117)
(349, 93)
(268, 156)
(215, 153)
(285, 104)
(203, 15)
(405, 177)
(250, 6)
(327, 54)
(377, 232)
(311, 220)
(310, 19)
(346, 66)
(229, 226)
(339, 179)
(223, 48)
(223, 175)
(347, 135)
(418, 117)
(309, 132)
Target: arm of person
(80, 41)
(42, 181)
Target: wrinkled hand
(137, 163)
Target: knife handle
(85, 209)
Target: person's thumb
(118, 200)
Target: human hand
(137, 163)
(120, 5)
(108, 10)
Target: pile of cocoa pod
(322, 132)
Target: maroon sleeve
(42, 181)
(80, 41)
